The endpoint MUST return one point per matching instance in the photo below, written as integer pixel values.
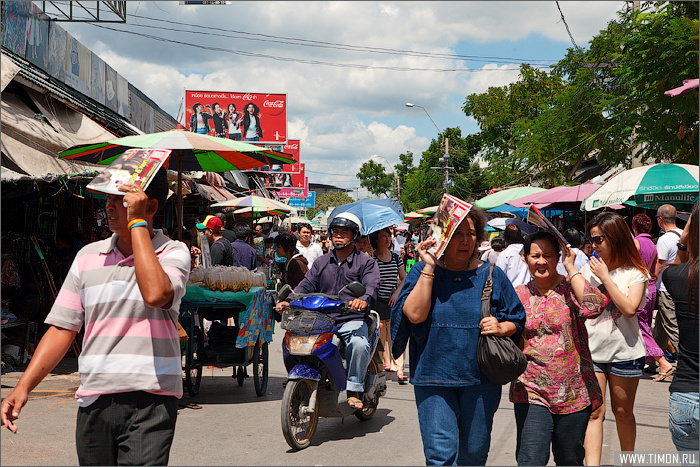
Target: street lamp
(446, 156)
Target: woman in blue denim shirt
(441, 304)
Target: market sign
(223, 115)
(304, 202)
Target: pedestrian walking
(554, 397)
(126, 291)
(440, 304)
(615, 340)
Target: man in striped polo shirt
(126, 291)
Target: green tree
(331, 198)
(376, 180)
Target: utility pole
(447, 163)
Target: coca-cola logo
(273, 106)
(294, 146)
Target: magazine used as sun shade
(136, 166)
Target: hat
(211, 222)
(485, 245)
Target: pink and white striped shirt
(128, 346)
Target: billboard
(295, 182)
(304, 202)
(252, 117)
(281, 174)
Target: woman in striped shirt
(391, 276)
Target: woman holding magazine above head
(439, 307)
(616, 343)
(556, 394)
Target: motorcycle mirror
(356, 288)
(284, 292)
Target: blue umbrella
(375, 214)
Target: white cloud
(342, 115)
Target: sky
(348, 68)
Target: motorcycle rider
(329, 274)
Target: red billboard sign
(289, 178)
(252, 117)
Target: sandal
(663, 376)
(355, 403)
(402, 379)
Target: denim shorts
(626, 369)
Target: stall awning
(8, 70)
(213, 194)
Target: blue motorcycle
(314, 358)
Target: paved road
(235, 427)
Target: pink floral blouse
(559, 372)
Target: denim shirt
(442, 349)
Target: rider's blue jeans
(355, 335)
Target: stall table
(252, 313)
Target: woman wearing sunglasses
(615, 340)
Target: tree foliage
(605, 102)
(331, 198)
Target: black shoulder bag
(499, 358)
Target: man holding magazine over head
(439, 308)
(126, 291)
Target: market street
(235, 427)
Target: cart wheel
(260, 364)
(193, 362)
(369, 408)
(240, 375)
(298, 425)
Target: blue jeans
(355, 336)
(537, 428)
(455, 422)
(254, 138)
(683, 420)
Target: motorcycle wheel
(193, 362)
(298, 429)
(260, 364)
(369, 408)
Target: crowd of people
(582, 319)
(589, 316)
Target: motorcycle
(314, 357)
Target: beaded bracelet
(138, 224)
(573, 275)
(427, 274)
(135, 221)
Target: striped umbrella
(189, 151)
(258, 203)
(649, 186)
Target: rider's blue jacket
(328, 275)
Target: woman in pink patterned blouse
(555, 396)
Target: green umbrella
(190, 152)
(503, 196)
(649, 186)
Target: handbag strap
(486, 295)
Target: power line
(567, 28)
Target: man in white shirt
(665, 326)
(309, 250)
(575, 239)
(510, 260)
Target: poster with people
(287, 177)
(251, 117)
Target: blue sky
(342, 114)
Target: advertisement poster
(252, 117)
(57, 52)
(111, 88)
(141, 113)
(77, 65)
(299, 185)
(281, 176)
(122, 96)
(14, 25)
(37, 48)
(97, 79)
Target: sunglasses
(598, 239)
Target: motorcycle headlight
(302, 345)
